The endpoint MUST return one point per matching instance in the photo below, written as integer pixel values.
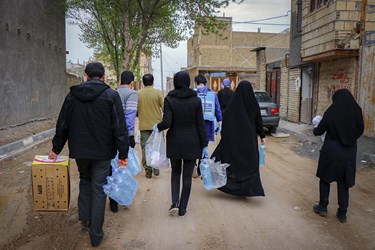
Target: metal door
(306, 95)
(273, 85)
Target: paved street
(281, 220)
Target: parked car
(268, 111)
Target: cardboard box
(51, 183)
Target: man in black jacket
(92, 121)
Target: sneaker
(113, 207)
(156, 171)
(342, 218)
(173, 209)
(181, 212)
(148, 175)
(319, 210)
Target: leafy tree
(120, 30)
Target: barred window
(317, 4)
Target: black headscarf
(239, 143)
(181, 80)
(343, 118)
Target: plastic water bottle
(206, 174)
(262, 154)
(121, 186)
(133, 163)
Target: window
(317, 4)
(299, 16)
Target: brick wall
(294, 95)
(284, 89)
(335, 75)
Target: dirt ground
(15, 133)
(283, 219)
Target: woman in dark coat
(186, 137)
(343, 123)
(239, 143)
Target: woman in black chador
(343, 123)
(239, 143)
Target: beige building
(331, 46)
(229, 56)
(272, 71)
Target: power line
(264, 19)
(279, 24)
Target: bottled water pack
(121, 185)
(206, 174)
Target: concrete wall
(261, 69)
(32, 65)
(295, 37)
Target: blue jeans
(91, 198)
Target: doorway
(306, 95)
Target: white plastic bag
(316, 120)
(218, 177)
(156, 152)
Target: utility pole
(161, 70)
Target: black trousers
(112, 201)
(342, 196)
(185, 167)
(91, 198)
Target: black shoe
(85, 224)
(156, 172)
(342, 218)
(173, 209)
(96, 243)
(148, 175)
(181, 212)
(113, 207)
(319, 210)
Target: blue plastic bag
(133, 162)
(121, 186)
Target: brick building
(331, 46)
(272, 70)
(229, 56)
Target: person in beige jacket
(150, 106)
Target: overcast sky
(174, 59)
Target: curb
(13, 148)
(299, 134)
